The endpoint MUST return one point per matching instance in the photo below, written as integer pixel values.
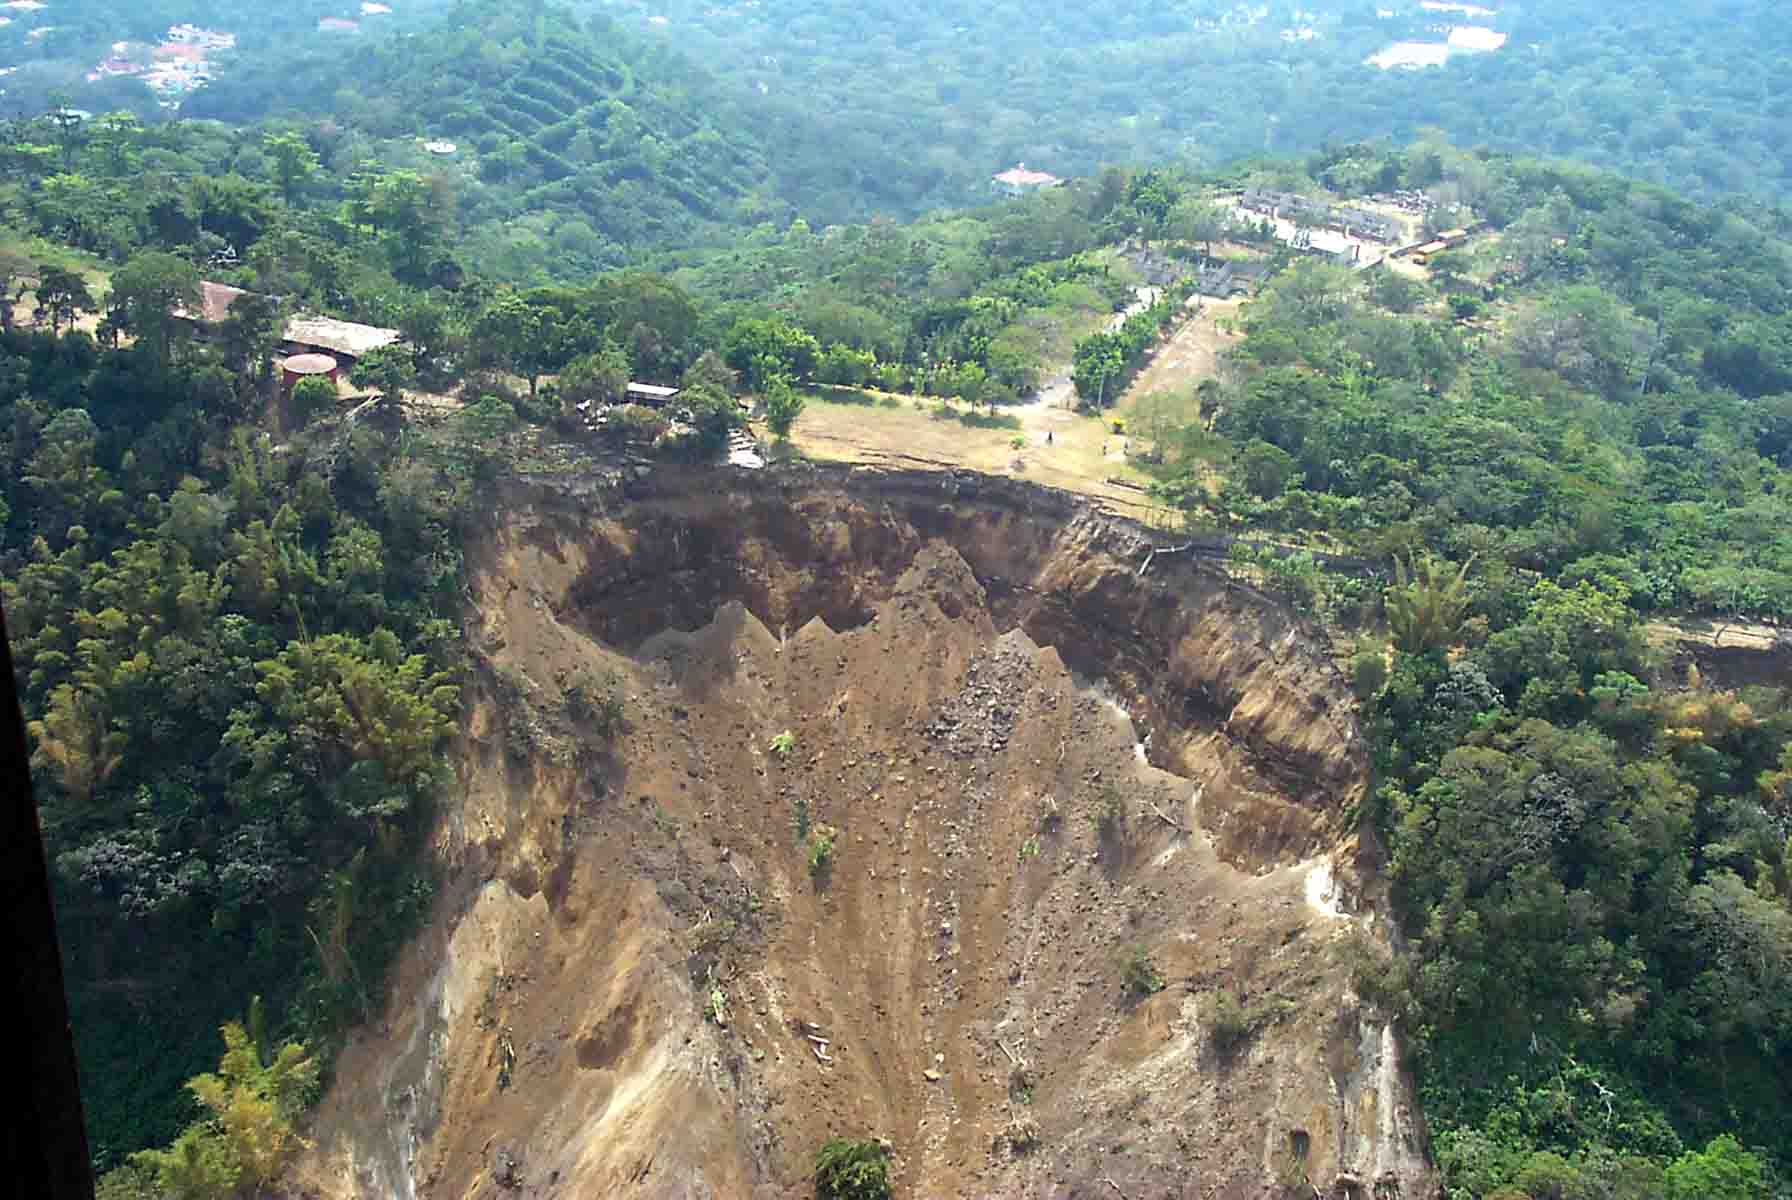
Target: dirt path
(1191, 354)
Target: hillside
(575, 147)
(874, 850)
(592, 135)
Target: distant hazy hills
(1687, 93)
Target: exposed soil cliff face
(638, 987)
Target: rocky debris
(980, 719)
(1020, 1136)
(507, 1168)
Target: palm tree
(1426, 604)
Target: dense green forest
(235, 680)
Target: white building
(1018, 181)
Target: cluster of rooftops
(305, 334)
(1308, 211)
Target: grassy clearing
(1082, 455)
(34, 249)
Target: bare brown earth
(967, 667)
(1082, 456)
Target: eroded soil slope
(1036, 762)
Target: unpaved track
(1191, 354)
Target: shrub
(1021, 1135)
(821, 850)
(1548, 1176)
(247, 1137)
(634, 423)
(1723, 1171)
(783, 405)
(1373, 973)
(599, 378)
(1139, 973)
(589, 698)
(1228, 1022)
(1368, 671)
(1465, 308)
(133, 1181)
(983, 420)
(310, 396)
(715, 1007)
(1110, 814)
(842, 364)
(852, 1170)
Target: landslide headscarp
(1046, 774)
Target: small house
(215, 300)
(342, 340)
(1228, 280)
(1018, 181)
(649, 394)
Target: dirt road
(1191, 354)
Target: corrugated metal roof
(341, 337)
(215, 300)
